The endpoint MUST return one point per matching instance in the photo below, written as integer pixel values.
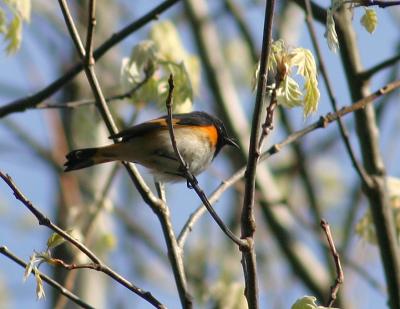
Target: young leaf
(304, 60)
(308, 302)
(330, 32)
(13, 35)
(369, 20)
(39, 284)
(289, 94)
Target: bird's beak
(231, 141)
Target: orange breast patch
(209, 131)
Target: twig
(248, 224)
(368, 137)
(339, 271)
(157, 205)
(190, 177)
(274, 149)
(54, 284)
(43, 220)
(196, 215)
(32, 101)
(381, 4)
(343, 131)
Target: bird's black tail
(81, 158)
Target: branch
(74, 104)
(367, 134)
(339, 271)
(32, 101)
(247, 218)
(381, 4)
(190, 177)
(274, 149)
(54, 284)
(43, 220)
(157, 205)
(343, 131)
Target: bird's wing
(189, 119)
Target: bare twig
(379, 3)
(339, 271)
(32, 101)
(368, 137)
(43, 220)
(190, 177)
(274, 149)
(248, 223)
(4, 250)
(157, 205)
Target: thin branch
(190, 177)
(368, 137)
(274, 149)
(379, 3)
(54, 284)
(175, 253)
(32, 101)
(90, 32)
(343, 131)
(200, 210)
(339, 271)
(367, 74)
(43, 220)
(248, 224)
(157, 205)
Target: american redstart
(199, 138)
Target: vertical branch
(157, 205)
(339, 271)
(367, 132)
(247, 218)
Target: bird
(199, 138)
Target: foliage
(282, 62)
(19, 12)
(153, 60)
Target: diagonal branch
(54, 284)
(32, 101)
(274, 149)
(191, 178)
(43, 220)
(248, 224)
(157, 205)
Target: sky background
(32, 68)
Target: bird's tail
(82, 158)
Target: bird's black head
(223, 137)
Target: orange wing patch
(163, 122)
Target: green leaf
(13, 35)
(369, 20)
(289, 94)
(54, 240)
(162, 55)
(304, 60)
